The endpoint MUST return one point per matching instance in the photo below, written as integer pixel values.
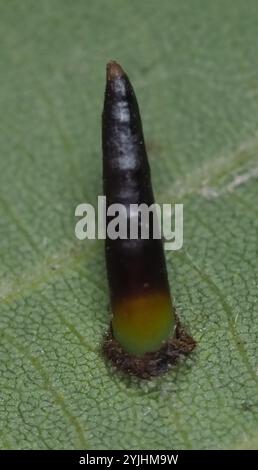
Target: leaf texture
(194, 68)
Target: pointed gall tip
(114, 70)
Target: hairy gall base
(151, 364)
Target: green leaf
(194, 68)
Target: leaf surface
(194, 67)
